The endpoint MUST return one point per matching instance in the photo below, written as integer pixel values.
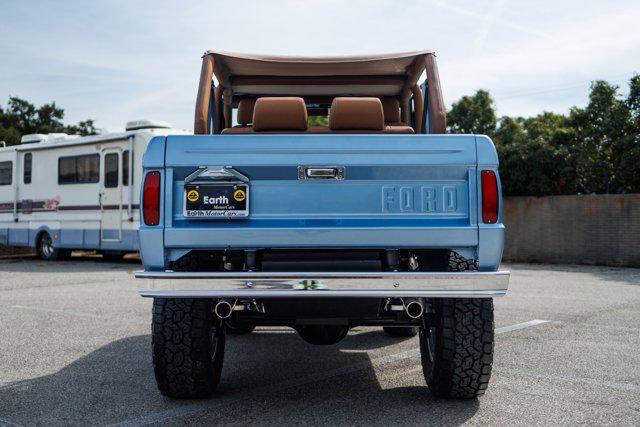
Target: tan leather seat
(275, 115)
(289, 115)
(356, 114)
(391, 109)
(360, 115)
(236, 130)
(245, 111)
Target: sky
(115, 61)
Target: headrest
(287, 113)
(245, 111)
(356, 114)
(391, 108)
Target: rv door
(111, 196)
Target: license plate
(216, 200)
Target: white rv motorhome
(62, 192)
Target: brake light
(151, 199)
(489, 197)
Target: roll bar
(430, 103)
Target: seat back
(280, 114)
(289, 115)
(356, 114)
(272, 115)
(245, 111)
(391, 109)
(360, 115)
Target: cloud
(602, 47)
(123, 60)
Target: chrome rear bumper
(323, 284)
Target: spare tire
(322, 334)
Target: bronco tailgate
(391, 191)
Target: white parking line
(598, 383)
(183, 411)
(55, 310)
(5, 423)
(523, 325)
(79, 314)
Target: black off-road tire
(188, 347)
(457, 347)
(401, 331)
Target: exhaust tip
(223, 309)
(414, 309)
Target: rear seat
(391, 108)
(245, 112)
(275, 115)
(289, 115)
(360, 115)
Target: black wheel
(322, 334)
(188, 347)
(46, 250)
(457, 347)
(238, 329)
(401, 331)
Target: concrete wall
(597, 229)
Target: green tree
(473, 114)
(595, 149)
(22, 118)
(318, 121)
(628, 172)
(85, 127)
(509, 131)
(599, 131)
(535, 158)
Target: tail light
(151, 199)
(489, 197)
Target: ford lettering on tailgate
(436, 198)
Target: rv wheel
(46, 250)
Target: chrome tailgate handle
(320, 172)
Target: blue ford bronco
(321, 194)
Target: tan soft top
(242, 75)
(371, 75)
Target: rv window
(111, 170)
(6, 172)
(79, 169)
(125, 167)
(28, 158)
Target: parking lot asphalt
(75, 349)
